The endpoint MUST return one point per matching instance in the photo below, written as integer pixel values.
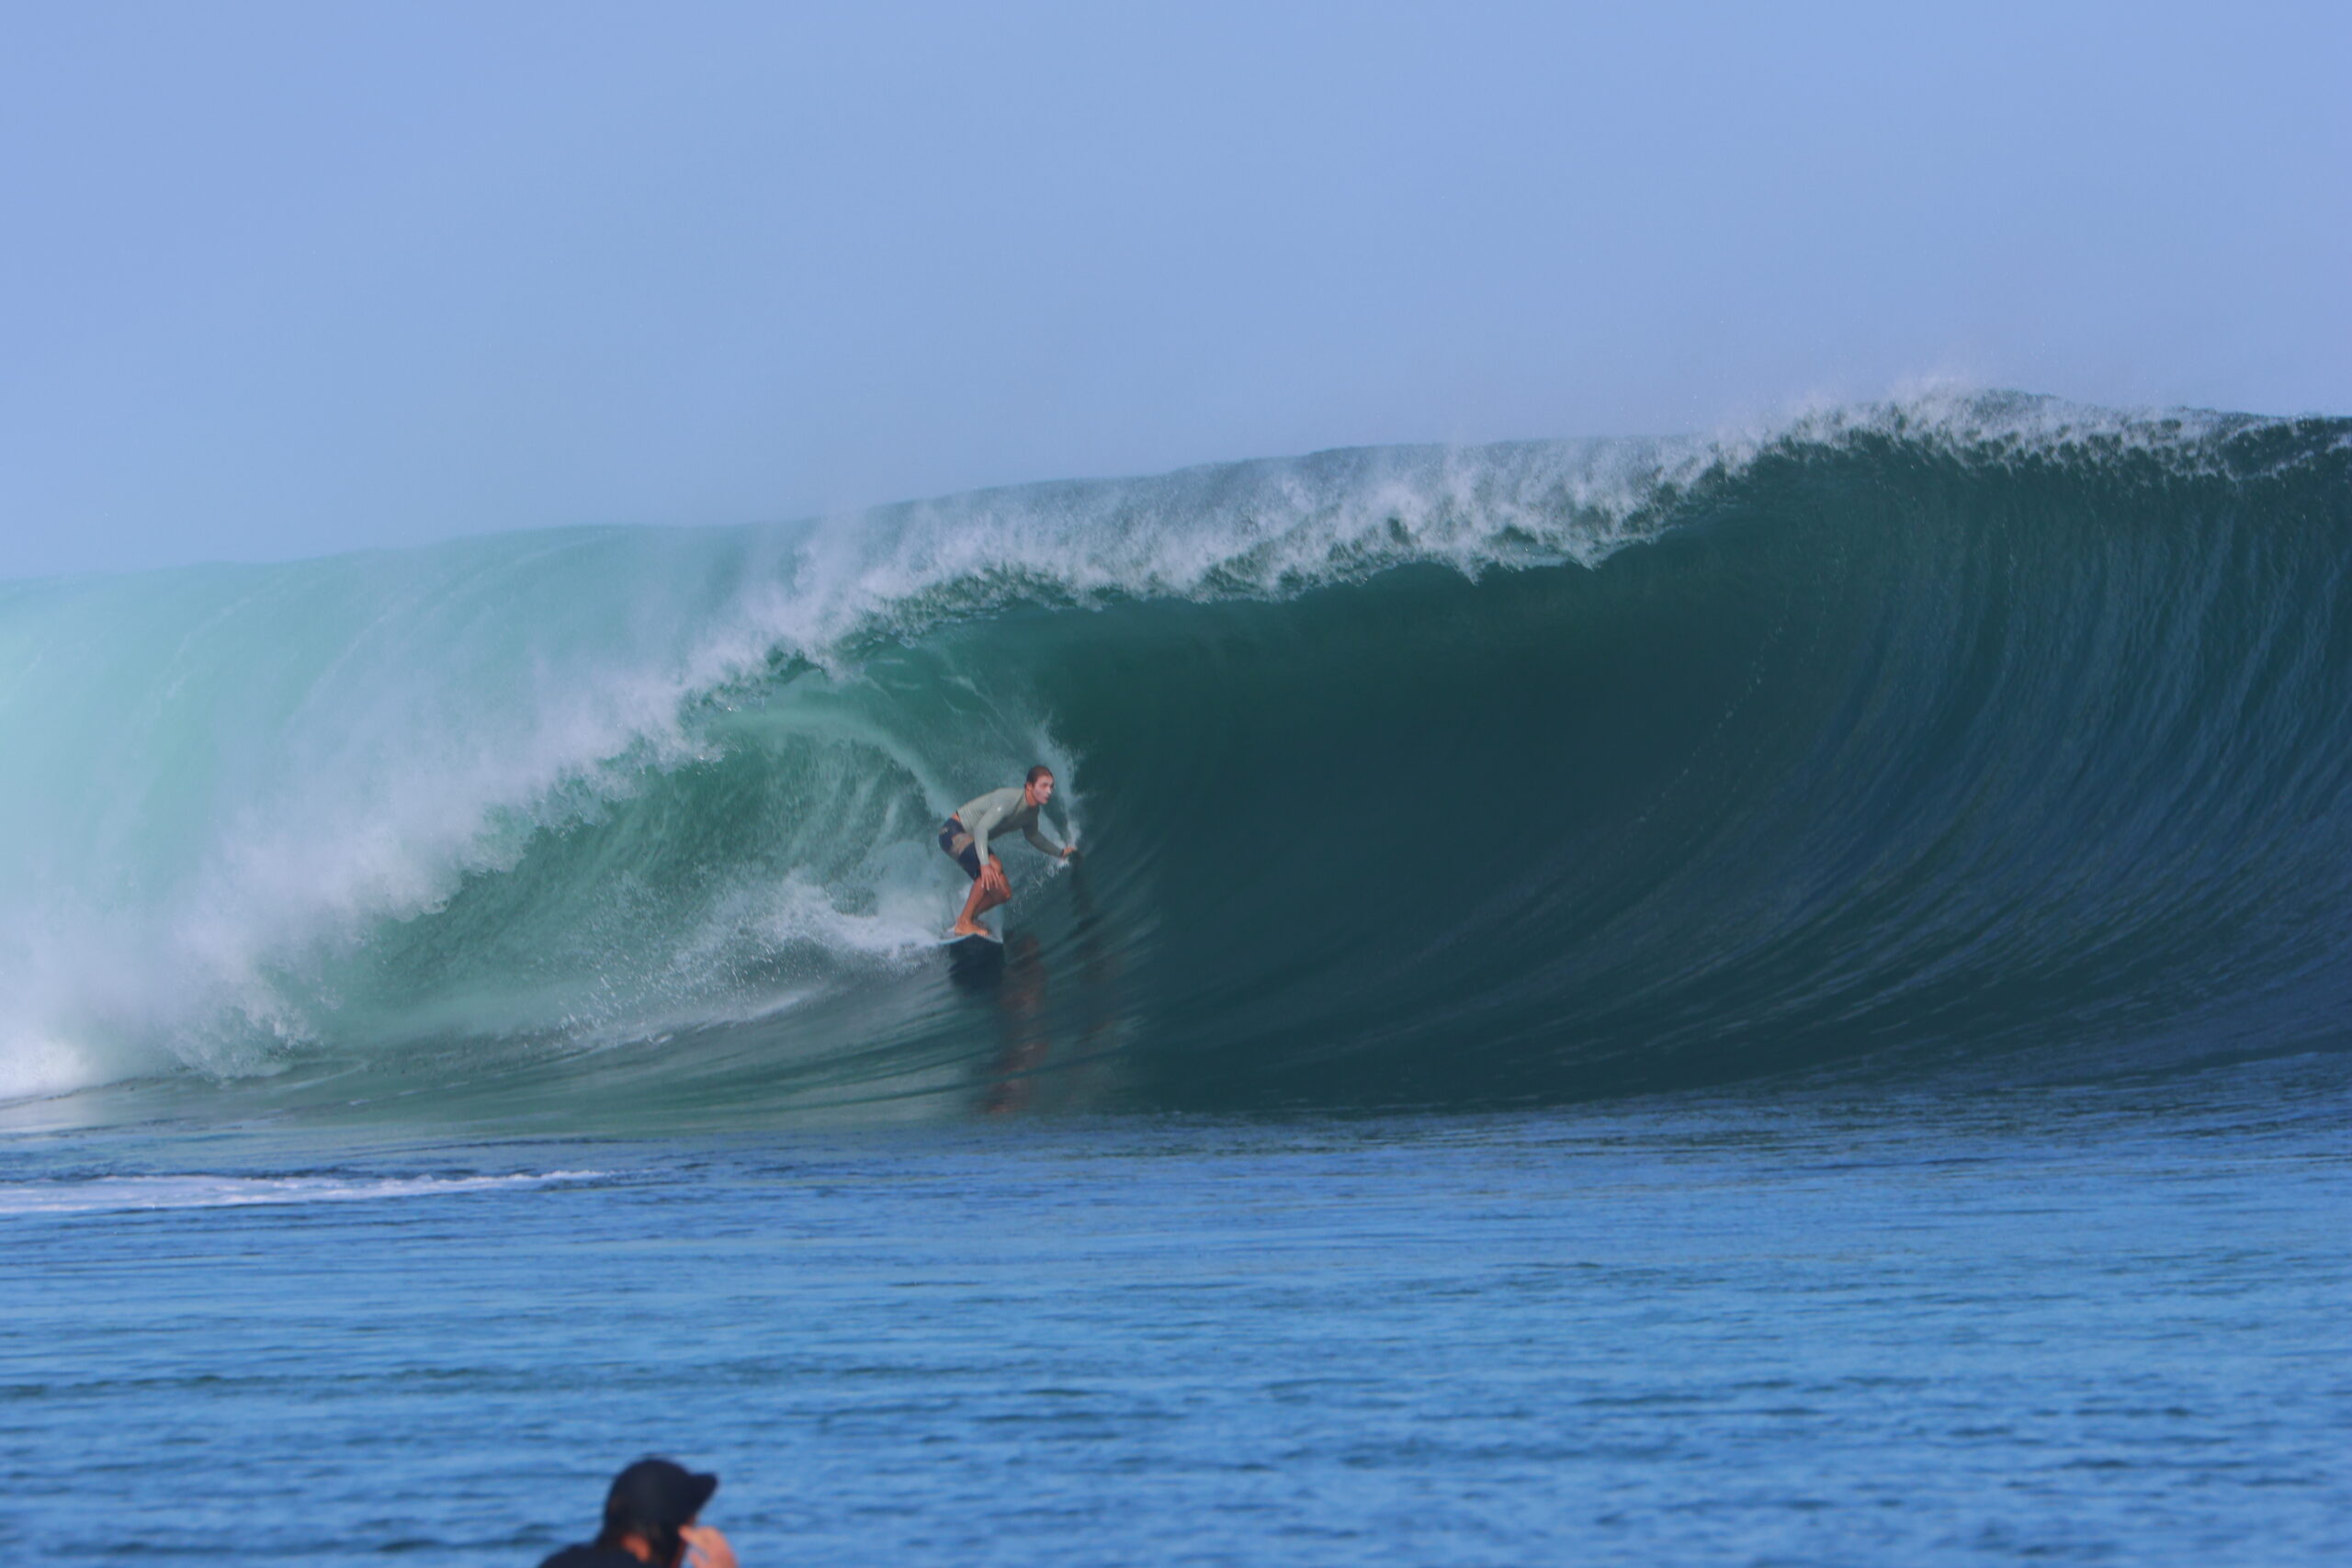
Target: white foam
(36, 1066)
(117, 1193)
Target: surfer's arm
(1042, 844)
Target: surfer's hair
(1039, 771)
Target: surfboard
(975, 959)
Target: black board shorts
(959, 847)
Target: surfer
(965, 839)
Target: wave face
(1982, 732)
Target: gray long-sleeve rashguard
(998, 810)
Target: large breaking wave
(1985, 733)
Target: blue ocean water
(2074, 1325)
(1771, 998)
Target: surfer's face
(1042, 791)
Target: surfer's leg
(959, 845)
(991, 889)
(969, 923)
(987, 892)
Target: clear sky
(284, 279)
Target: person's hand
(705, 1547)
(1069, 851)
(993, 876)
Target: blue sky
(279, 280)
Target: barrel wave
(1967, 735)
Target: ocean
(1775, 997)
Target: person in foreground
(649, 1518)
(966, 840)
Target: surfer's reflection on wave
(1032, 1010)
(1021, 1015)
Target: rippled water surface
(2087, 1325)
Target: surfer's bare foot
(966, 928)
